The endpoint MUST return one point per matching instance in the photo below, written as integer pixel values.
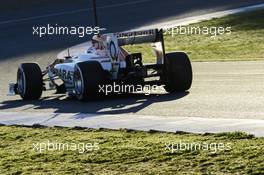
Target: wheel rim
(78, 83)
(21, 82)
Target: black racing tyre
(29, 81)
(88, 77)
(178, 72)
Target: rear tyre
(29, 81)
(178, 72)
(88, 77)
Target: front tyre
(88, 77)
(29, 81)
(178, 72)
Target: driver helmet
(97, 41)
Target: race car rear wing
(139, 37)
(146, 36)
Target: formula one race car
(106, 62)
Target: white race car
(106, 62)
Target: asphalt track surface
(220, 89)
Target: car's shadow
(115, 104)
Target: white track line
(137, 122)
(72, 12)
